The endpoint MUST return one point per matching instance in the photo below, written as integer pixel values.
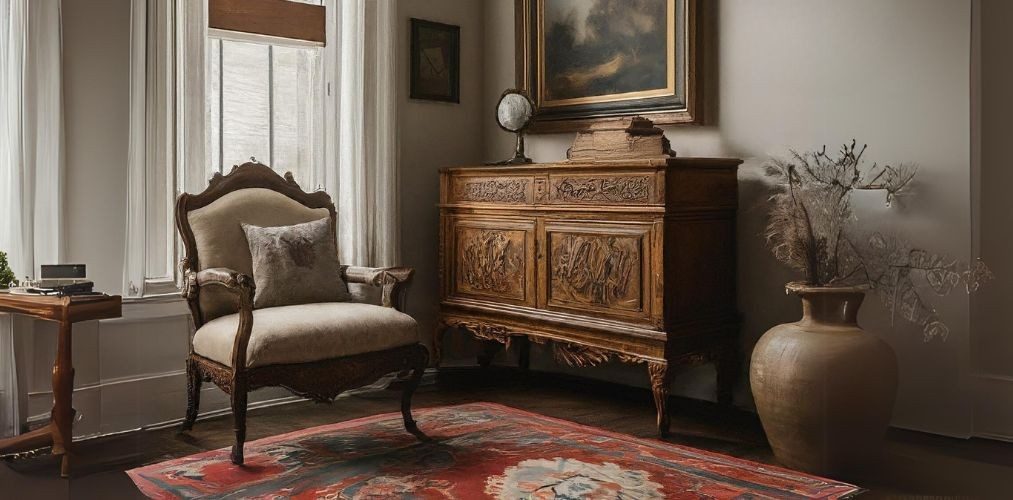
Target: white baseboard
(131, 403)
(155, 401)
(202, 416)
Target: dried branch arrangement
(811, 230)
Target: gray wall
(96, 45)
(802, 73)
(435, 134)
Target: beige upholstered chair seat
(308, 332)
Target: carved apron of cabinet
(624, 261)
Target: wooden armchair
(314, 350)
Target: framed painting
(435, 61)
(585, 60)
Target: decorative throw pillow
(295, 264)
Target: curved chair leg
(239, 420)
(193, 384)
(409, 389)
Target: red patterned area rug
(479, 450)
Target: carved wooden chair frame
(320, 381)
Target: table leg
(63, 389)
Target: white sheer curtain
(360, 152)
(363, 140)
(31, 156)
(165, 152)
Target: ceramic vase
(824, 388)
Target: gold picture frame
(562, 108)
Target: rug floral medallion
(479, 450)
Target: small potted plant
(824, 388)
(6, 274)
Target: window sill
(153, 307)
(154, 298)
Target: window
(266, 101)
(214, 83)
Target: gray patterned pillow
(295, 264)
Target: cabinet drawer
(599, 268)
(493, 259)
(505, 190)
(604, 189)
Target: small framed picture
(436, 61)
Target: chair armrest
(392, 280)
(225, 277)
(218, 276)
(238, 283)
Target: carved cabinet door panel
(493, 259)
(598, 268)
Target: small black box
(63, 271)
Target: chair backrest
(210, 224)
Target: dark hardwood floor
(915, 464)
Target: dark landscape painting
(597, 48)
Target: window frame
(171, 124)
(319, 171)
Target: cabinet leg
(728, 366)
(524, 353)
(489, 350)
(659, 386)
(438, 332)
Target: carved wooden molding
(614, 189)
(659, 373)
(485, 331)
(579, 355)
(629, 358)
(541, 190)
(321, 381)
(573, 354)
(213, 372)
(493, 190)
(189, 288)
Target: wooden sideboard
(632, 260)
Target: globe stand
(519, 157)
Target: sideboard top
(655, 163)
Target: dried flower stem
(810, 230)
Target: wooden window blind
(279, 18)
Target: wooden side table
(66, 311)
